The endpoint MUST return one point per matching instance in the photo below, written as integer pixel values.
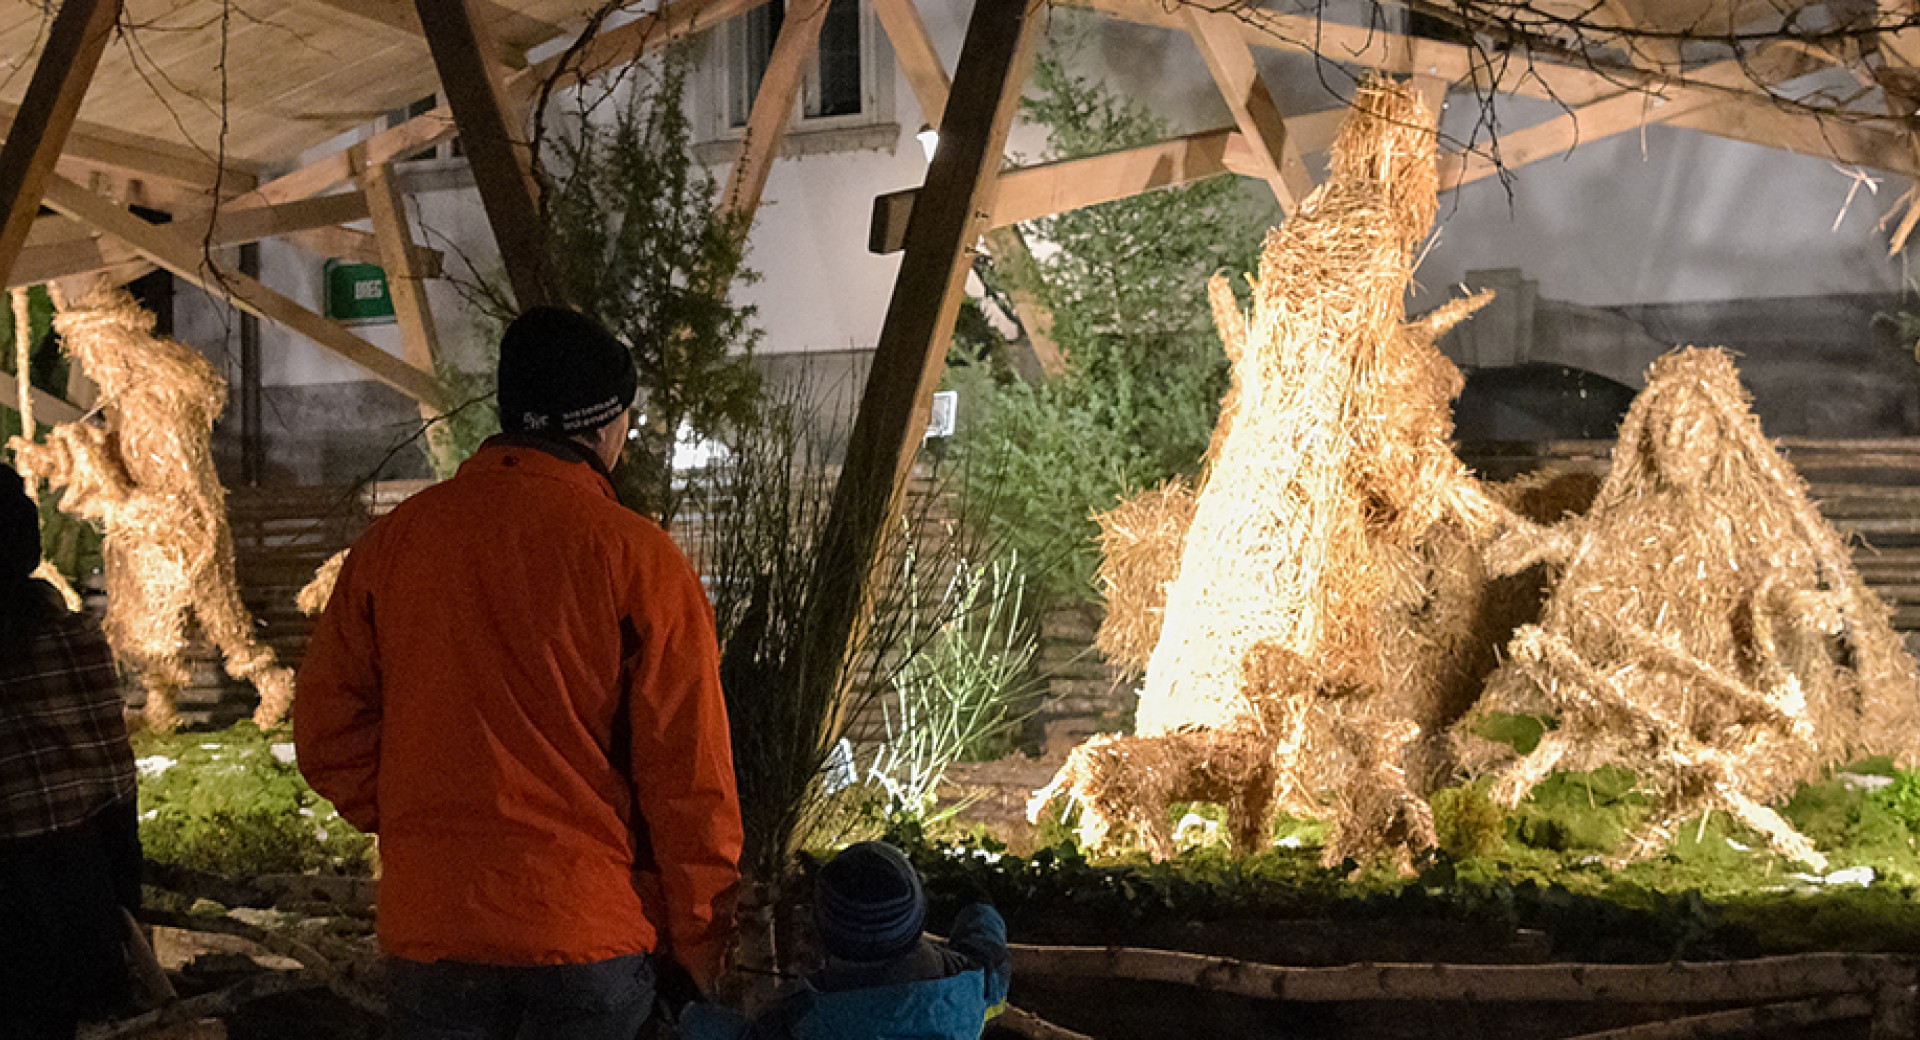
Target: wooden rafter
(773, 105)
(406, 283)
(186, 258)
(1029, 192)
(1036, 356)
(676, 20)
(1230, 61)
(39, 131)
(994, 62)
(1738, 114)
(60, 248)
(490, 123)
(914, 52)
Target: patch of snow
(282, 753)
(1865, 781)
(153, 765)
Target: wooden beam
(913, 51)
(490, 125)
(1037, 356)
(186, 258)
(1030, 192)
(360, 247)
(407, 284)
(47, 113)
(773, 105)
(676, 19)
(1741, 115)
(1230, 61)
(47, 408)
(994, 62)
(311, 223)
(1559, 135)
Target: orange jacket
(516, 684)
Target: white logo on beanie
(533, 421)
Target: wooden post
(773, 105)
(39, 129)
(490, 125)
(994, 62)
(406, 282)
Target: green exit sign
(357, 293)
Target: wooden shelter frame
(93, 176)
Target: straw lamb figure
(1708, 630)
(1330, 463)
(147, 477)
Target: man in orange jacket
(516, 685)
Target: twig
(338, 977)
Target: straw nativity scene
(1325, 618)
(145, 474)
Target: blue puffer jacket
(947, 994)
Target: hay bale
(1709, 630)
(147, 477)
(1140, 553)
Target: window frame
(714, 103)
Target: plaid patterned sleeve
(64, 754)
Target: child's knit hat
(868, 903)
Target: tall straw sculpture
(1328, 474)
(1709, 630)
(147, 477)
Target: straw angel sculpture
(1708, 630)
(146, 476)
(1329, 466)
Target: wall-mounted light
(929, 139)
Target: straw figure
(147, 477)
(1708, 631)
(1328, 476)
(313, 596)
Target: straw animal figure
(1709, 630)
(1330, 465)
(147, 477)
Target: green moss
(1469, 824)
(223, 803)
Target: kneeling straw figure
(884, 976)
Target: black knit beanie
(562, 373)
(19, 529)
(867, 903)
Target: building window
(833, 85)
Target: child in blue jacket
(884, 979)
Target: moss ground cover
(232, 802)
